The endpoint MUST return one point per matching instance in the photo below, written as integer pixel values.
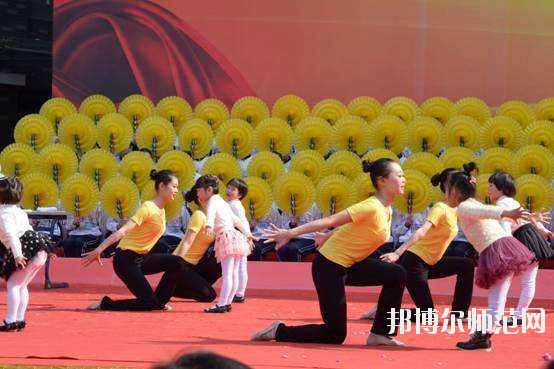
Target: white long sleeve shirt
(219, 215)
(14, 222)
(238, 210)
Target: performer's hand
(541, 216)
(391, 257)
(515, 214)
(320, 238)
(91, 256)
(277, 235)
(210, 232)
(20, 262)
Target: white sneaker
(167, 307)
(370, 315)
(95, 305)
(378, 340)
(267, 334)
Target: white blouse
(14, 222)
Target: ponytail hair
(464, 182)
(441, 179)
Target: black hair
(377, 169)
(504, 182)
(462, 181)
(240, 185)
(208, 180)
(203, 360)
(192, 196)
(470, 167)
(164, 176)
(441, 179)
(11, 190)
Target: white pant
(243, 276)
(230, 279)
(18, 292)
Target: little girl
(22, 253)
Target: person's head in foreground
(202, 360)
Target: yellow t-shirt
(202, 241)
(150, 220)
(353, 242)
(431, 248)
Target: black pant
(132, 267)
(462, 249)
(260, 250)
(165, 245)
(76, 246)
(382, 250)
(295, 249)
(329, 279)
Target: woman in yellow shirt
(132, 260)
(362, 228)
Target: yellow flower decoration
(172, 210)
(519, 111)
(540, 132)
(136, 108)
(426, 134)
(55, 109)
(290, 108)
(251, 109)
(375, 154)
(345, 163)
(266, 165)
(417, 193)
(114, 132)
(389, 132)
(176, 110)
(235, 137)
(79, 195)
(196, 138)
(365, 107)
(330, 109)
(496, 158)
(99, 165)
(534, 192)
(119, 197)
(545, 109)
(533, 159)
(364, 187)
(181, 164)
(335, 193)
(78, 132)
(402, 107)
(473, 107)
(34, 130)
(463, 131)
(157, 135)
(58, 162)
(294, 193)
(482, 188)
(351, 133)
(136, 166)
(313, 133)
(213, 111)
(310, 163)
(455, 157)
(17, 160)
(259, 199)
(437, 107)
(223, 166)
(38, 191)
(425, 163)
(275, 135)
(96, 106)
(436, 195)
(501, 131)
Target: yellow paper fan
(351, 133)
(172, 209)
(540, 132)
(364, 187)
(534, 192)
(330, 109)
(375, 154)
(436, 195)
(473, 107)
(294, 193)
(533, 159)
(56, 109)
(156, 134)
(99, 165)
(78, 132)
(213, 111)
(389, 132)
(223, 166)
(275, 135)
(79, 195)
(437, 107)
(310, 163)
(424, 162)
(181, 164)
(119, 197)
(482, 188)
(462, 131)
(17, 160)
(259, 199)
(114, 132)
(335, 193)
(313, 133)
(365, 107)
(501, 131)
(96, 106)
(38, 191)
(545, 109)
(417, 193)
(456, 157)
(58, 162)
(195, 138)
(176, 110)
(426, 134)
(495, 159)
(34, 130)
(136, 108)
(290, 108)
(235, 137)
(266, 165)
(136, 166)
(251, 109)
(402, 107)
(519, 111)
(345, 163)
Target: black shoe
(21, 325)
(9, 327)
(513, 321)
(218, 309)
(477, 341)
(239, 299)
(228, 308)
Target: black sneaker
(217, 309)
(477, 341)
(228, 308)
(512, 320)
(9, 327)
(239, 299)
(20, 325)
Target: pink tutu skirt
(230, 242)
(502, 258)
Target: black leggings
(131, 268)
(329, 279)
